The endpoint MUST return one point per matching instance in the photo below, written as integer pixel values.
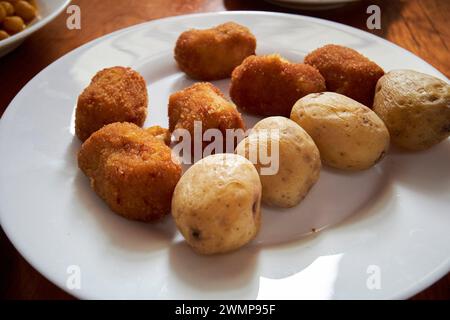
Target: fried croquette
(347, 72)
(212, 54)
(162, 134)
(205, 103)
(270, 85)
(131, 170)
(116, 94)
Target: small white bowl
(47, 11)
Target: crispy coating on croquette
(116, 94)
(131, 170)
(347, 72)
(162, 134)
(206, 103)
(270, 85)
(212, 54)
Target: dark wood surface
(417, 25)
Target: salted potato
(216, 204)
(415, 108)
(212, 54)
(348, 134)
(295, 160)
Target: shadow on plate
(235, 271)
(278, 260)
(122, 233)
(214, 273)
(426, 172)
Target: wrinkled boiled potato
(216, 204)
(415, 108)
(298, 160)
(348, 134)
(212, 54)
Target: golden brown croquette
(270, 85)
(162, 134)
(131, 170)
(116, 94)
(206, 103)
(212, 54)
(347, 72)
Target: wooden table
(420, 26)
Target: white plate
(47, 11)
(396, 215)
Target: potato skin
(131, 170)
(217, 204)
(116, 94)
(212, 54)
(349, 135)
(270, 85)
(347, 72)
(206, 103)
(415, 108)
(299, 161)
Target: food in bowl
(131, 170)
(415, 108)
(349, 135)
(270, 85)
(15, 16)
(287, 182)
(212, 54)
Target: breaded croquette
(270, 85)
(116, 94)
(162, 134)
(206, 103)
(131, 170)
(212, 54)
(347, 72)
